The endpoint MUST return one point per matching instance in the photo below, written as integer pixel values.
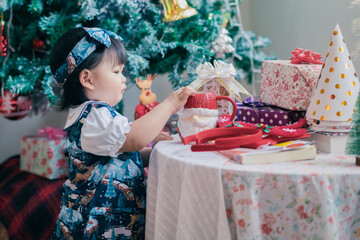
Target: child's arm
(146, 151)
(146, 128)
(145, 155)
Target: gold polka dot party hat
(332, 104)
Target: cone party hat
(331, 107)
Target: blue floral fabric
(104, 197)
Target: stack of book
(330, 142)
(283, 152)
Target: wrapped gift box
(215, 86)
(43, 156)
(288, 85)
(220, 79)
(266, 114)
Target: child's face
(109, 82)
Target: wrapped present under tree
(43, 154)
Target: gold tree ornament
(176, 9)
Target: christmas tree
(31, 27)
(353, 144)
(110, 191)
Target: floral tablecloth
(316, 199)
(203, 195)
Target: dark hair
(73, 92)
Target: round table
(204, 195)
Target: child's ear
(85, 78)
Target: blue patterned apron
(104, 197)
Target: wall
(303, 24)
(306, 24)
(11, 131)
(288, 23)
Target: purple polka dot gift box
(253, 111)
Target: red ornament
(38, 44)
(3, 40)
(14, 106)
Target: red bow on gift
(52, 133)
(301, 55)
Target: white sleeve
(102, 134)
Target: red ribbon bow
(241, 134)
(305, 55)
(52, 133)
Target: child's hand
(179, 97)
(149, 125)
(161, 137)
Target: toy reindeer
(147, 98)
(134, 217)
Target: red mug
(209, 100)
(200, 113)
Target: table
(204, 195)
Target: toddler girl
(104, 197)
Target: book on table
(283, 152)
(330, 142)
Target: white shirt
(101, 133)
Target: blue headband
(81, 51)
